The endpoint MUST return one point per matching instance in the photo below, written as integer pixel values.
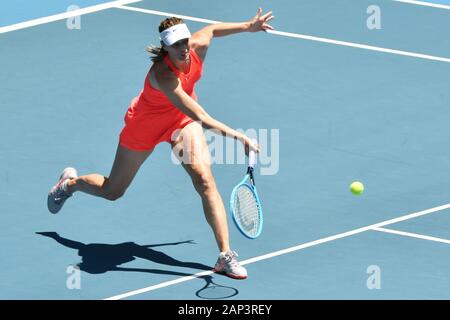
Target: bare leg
(192, 150)
(126, 164)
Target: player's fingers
(269, 18)
(258, 14)
(267, 26)
(255, 147)
(267, 14)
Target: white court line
(159, 286)
(300, 36)
(168, 14)
(413, 235)
(288, 250)
(65, 15)
(427, 4)
(361, 46)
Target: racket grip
(252, 156)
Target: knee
(204, 183)
(113, 194)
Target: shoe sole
(229, 275)
(51, 206)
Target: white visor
(174, 34)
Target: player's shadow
(99, 258)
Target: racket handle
(252, 156)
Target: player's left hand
(259, 22)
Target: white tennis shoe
(228, 265)
(58, 194)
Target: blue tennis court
(340, 91)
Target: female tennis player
(166, 110)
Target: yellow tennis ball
(357, 188)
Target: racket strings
(247, 211)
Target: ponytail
(157, 52)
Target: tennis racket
(245, 206)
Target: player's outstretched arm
(202, 38)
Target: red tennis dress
(151, 117)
